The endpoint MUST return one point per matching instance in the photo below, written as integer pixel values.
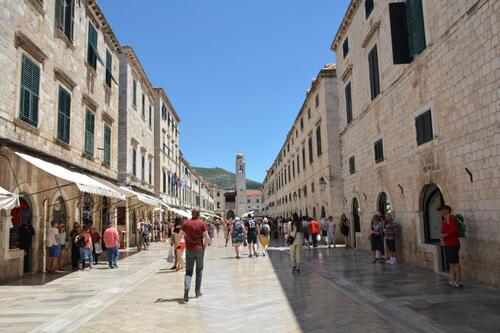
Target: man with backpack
(264, 235)
(237, 236)
(451, 244)
(251, 227)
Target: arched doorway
(59, 213)
(307, 212)
(383, 204)
(432, 200)
(355, 215)
(22, 232)
(87, 207)
(314, 212)
(323, 213)
(230, 214)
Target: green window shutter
(60, 11)
(69, 18)
(134, 93)
(107, 144)
(423, 126)
(310, 150)
(92, 46)
(399, 33)
(143, 106)
(64, 115)
(318, 140)
(374, 74)
(416, 28)
(30, 87)
(109, 68)
(348, 102)
(89, 132)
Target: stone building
(241, 185)
(59, 123)
(254, 201)
(419, 124)
(305, 176)
(167, 152)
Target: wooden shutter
(107, 144)
(348, 102)
(423, 126)
(310, 150)
(352, 165)
(345, 47)
(399, 33)
(318, 140)
(92, 46)
(89, 133)
(109, 68)
(374, 75)
(379, 151)
(69, 17)
(416, 28)
(368, 7)
(30, 86)
(64, 115)
(60, 10)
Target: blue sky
(236, 71)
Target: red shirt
(314, 227)
(110, 237)
(451, 231)
(194, 229)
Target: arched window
(314, 212)
(105, 210)
(59, 213)
(323, 213)
(307, 212)
(383, 204)
(432, 199)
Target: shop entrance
(22, 231)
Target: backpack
(461, 225)
(264, 230)
(79, 241)
(238, 229)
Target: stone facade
(305, 176)
(456, 77)
(241, 184)
(254, 201)
(31, 35)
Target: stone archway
(356, 219)
(21, 233)
(383, 204)
(432, 199)
(230, 214)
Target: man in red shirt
(314, 231)
(112, 242)
(451, 244)
(196, 235)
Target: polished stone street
(338, 290)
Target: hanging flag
(174, 180)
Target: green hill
(224, 179)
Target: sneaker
(186, 296)
(249, 256)
(263, 254)
(451, 283)
(389, 261)
(394, 261)
(256, 254)
(111, 267)
(115, 266)
(199, 294)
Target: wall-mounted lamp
(364, 196)
(401, 189)
(470, 175)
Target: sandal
(294, 269)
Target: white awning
(8, 200)
(83, 182)
(246, 214)
(147, 199)
(179, 212)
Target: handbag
(170, 256)
(98, 248)
(291, 239)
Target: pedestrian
(264, 235)
(62, 243)
(314, 228)
(294, 239)
(85, 248)
(324, 229)
(331, 229)
(179, 245)
(145, 236)
(211, 229)
(217, 227)
(344, 230)
(390, 238)
(238, 236)
(54, 246)
(196, 236)
(96, 245)
(228, 230)
(75, 250)
(251, 227)
(112, 243)
(376, 239)
(305, 228)
(451, 244)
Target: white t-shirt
(331, 227)
(52, 235)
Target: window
(352, 165)
(368, 7)
(309, 113)
(143, 109)
(423, 124)
(89, 132)
(302, 123)
(293, 168)
(298, 164)
(305, 190)
(109, 68)
(318, 140)
(30, 87)
(150, 117)
(316, 100)
(92, 47)
(289, 174)
(304, 158)
(296, 134)
(345, 47)
(312, 187)
(310, 150)
(64, 115)
(134, 93)
(348, 102)
(284, 175)
(65, 15)
(107, 144)
(143, 167)
(134, 161)
(407, 30)
(379, 151)
(373, 67)
(164, 182)
(150, 171)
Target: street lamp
(322, 184)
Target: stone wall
(457, 78)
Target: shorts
(182, 246)
(264, 240)
(63, 247)
(237, 239)
(306, 236)
(391, 244)
(54, 251)
(377, 244)
(252, 238)
(452, 256)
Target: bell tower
(241, 185)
